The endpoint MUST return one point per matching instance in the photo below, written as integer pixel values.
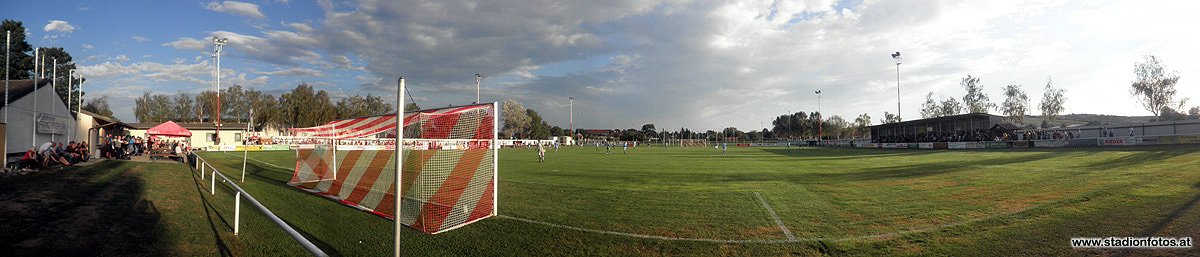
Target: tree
(411, 107)
(976, 101)
(234, 104)
(1016, 103)
(950, 106)
(360, 106)
(1194, 113)
(20, 60)
(538, 129)
(204, 105)
(304, 107)
(836, 126)
(99, 106)
(515, 118)
(1169, 113)
(861, 124)
(889, 118)
(62, 76)
(154, 108)
(1052, 101)
(930, 108)
(184, 104)
(266, 107)
(1154, 86)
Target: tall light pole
(79, 106)
(218, 42)
(71, 99)
(820, 128)
(7, 42)
(478, 80)
(571, 121)
(36, 75)
(896, 56)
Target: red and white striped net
(449, 167)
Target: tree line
(301, 107)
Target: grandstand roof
(950, 118)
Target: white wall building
(34, 117)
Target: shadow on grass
(273, 176)
(1145, 156)
(97, 210)
(209, 211)
(847, 153)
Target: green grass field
(658, 201)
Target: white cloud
(709, 64)
(140, 39)
(294, 72)
(87, 47)
(58, 26)
(121, 58)
(235, 7)
(188, 44)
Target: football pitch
(774, 201)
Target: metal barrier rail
(201, 165)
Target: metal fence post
(213, 186)
(237, 212)
(201, 171)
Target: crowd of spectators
(946, 136)
(54, 154)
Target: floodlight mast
(478, 80)
(898, 59)
(571, 121)
(820, 128)
(218, 43)
(896, 56)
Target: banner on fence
(1117, 141)
(925, 145)
(996, 145)
(1049, 143)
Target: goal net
(693, 142)
(449, 173)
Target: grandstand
(972, 125)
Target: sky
(696, 64)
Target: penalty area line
(267, 163)
(771, 211)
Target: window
(212, 137)
(237, 136)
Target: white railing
(202, 165)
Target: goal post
(447, 166)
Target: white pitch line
(267, 163)
(771, 211)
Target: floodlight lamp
(897, 57)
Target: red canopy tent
(170, 129)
